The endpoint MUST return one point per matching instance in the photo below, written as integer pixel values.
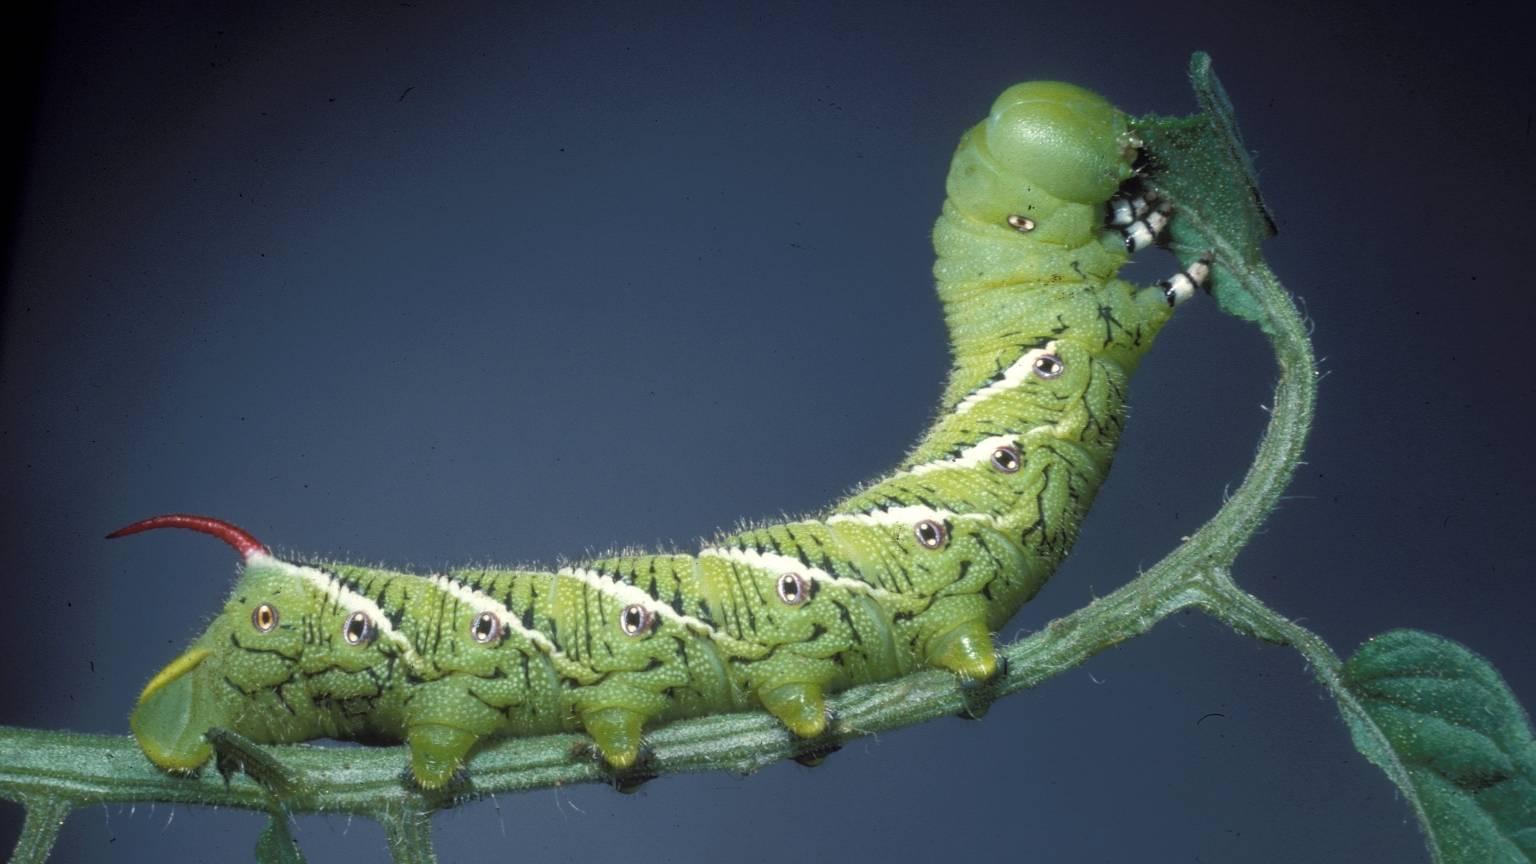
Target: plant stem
(409, 833)
(45, 816)
(1226, 534)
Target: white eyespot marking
(930, 534)
(486, 628)
(636, 620)
(1048, 366)
(264, 618)
(345, 598)
(781, 564)
(974, 456)
(358, 630)
(1006, 459)
(1014, 376)
(794, 589)
(631, 595)
(483, 605)
(1021, 224)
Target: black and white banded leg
(1182, 285)
(1127, 206)
(1145, 229)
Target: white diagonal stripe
(974, 456)
(481, 603)
(330, 585)
(1017, 374)
(632, 595)
(781, 564)
(909, 516)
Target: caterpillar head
(241, 662)
(1044, 161)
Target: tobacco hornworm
(918, 568)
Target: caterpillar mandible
(917, 569)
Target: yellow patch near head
(178, 667)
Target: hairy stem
(1221, 539)
(45, 816)
(409, 833)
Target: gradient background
(427, 283)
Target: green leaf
(1201, 165)
(276, 844)
(1453, 728)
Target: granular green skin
(918, 568)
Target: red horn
(235, 536)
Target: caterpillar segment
(916, 569)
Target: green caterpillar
(917, 569)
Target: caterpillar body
(917, 569)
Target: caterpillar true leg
(1127, 206)
(1147, 229)
(1182, 285)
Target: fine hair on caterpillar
(919, 568)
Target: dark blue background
(428, 283)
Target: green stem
(409, 833)
(1221, 539)
(45, 815)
